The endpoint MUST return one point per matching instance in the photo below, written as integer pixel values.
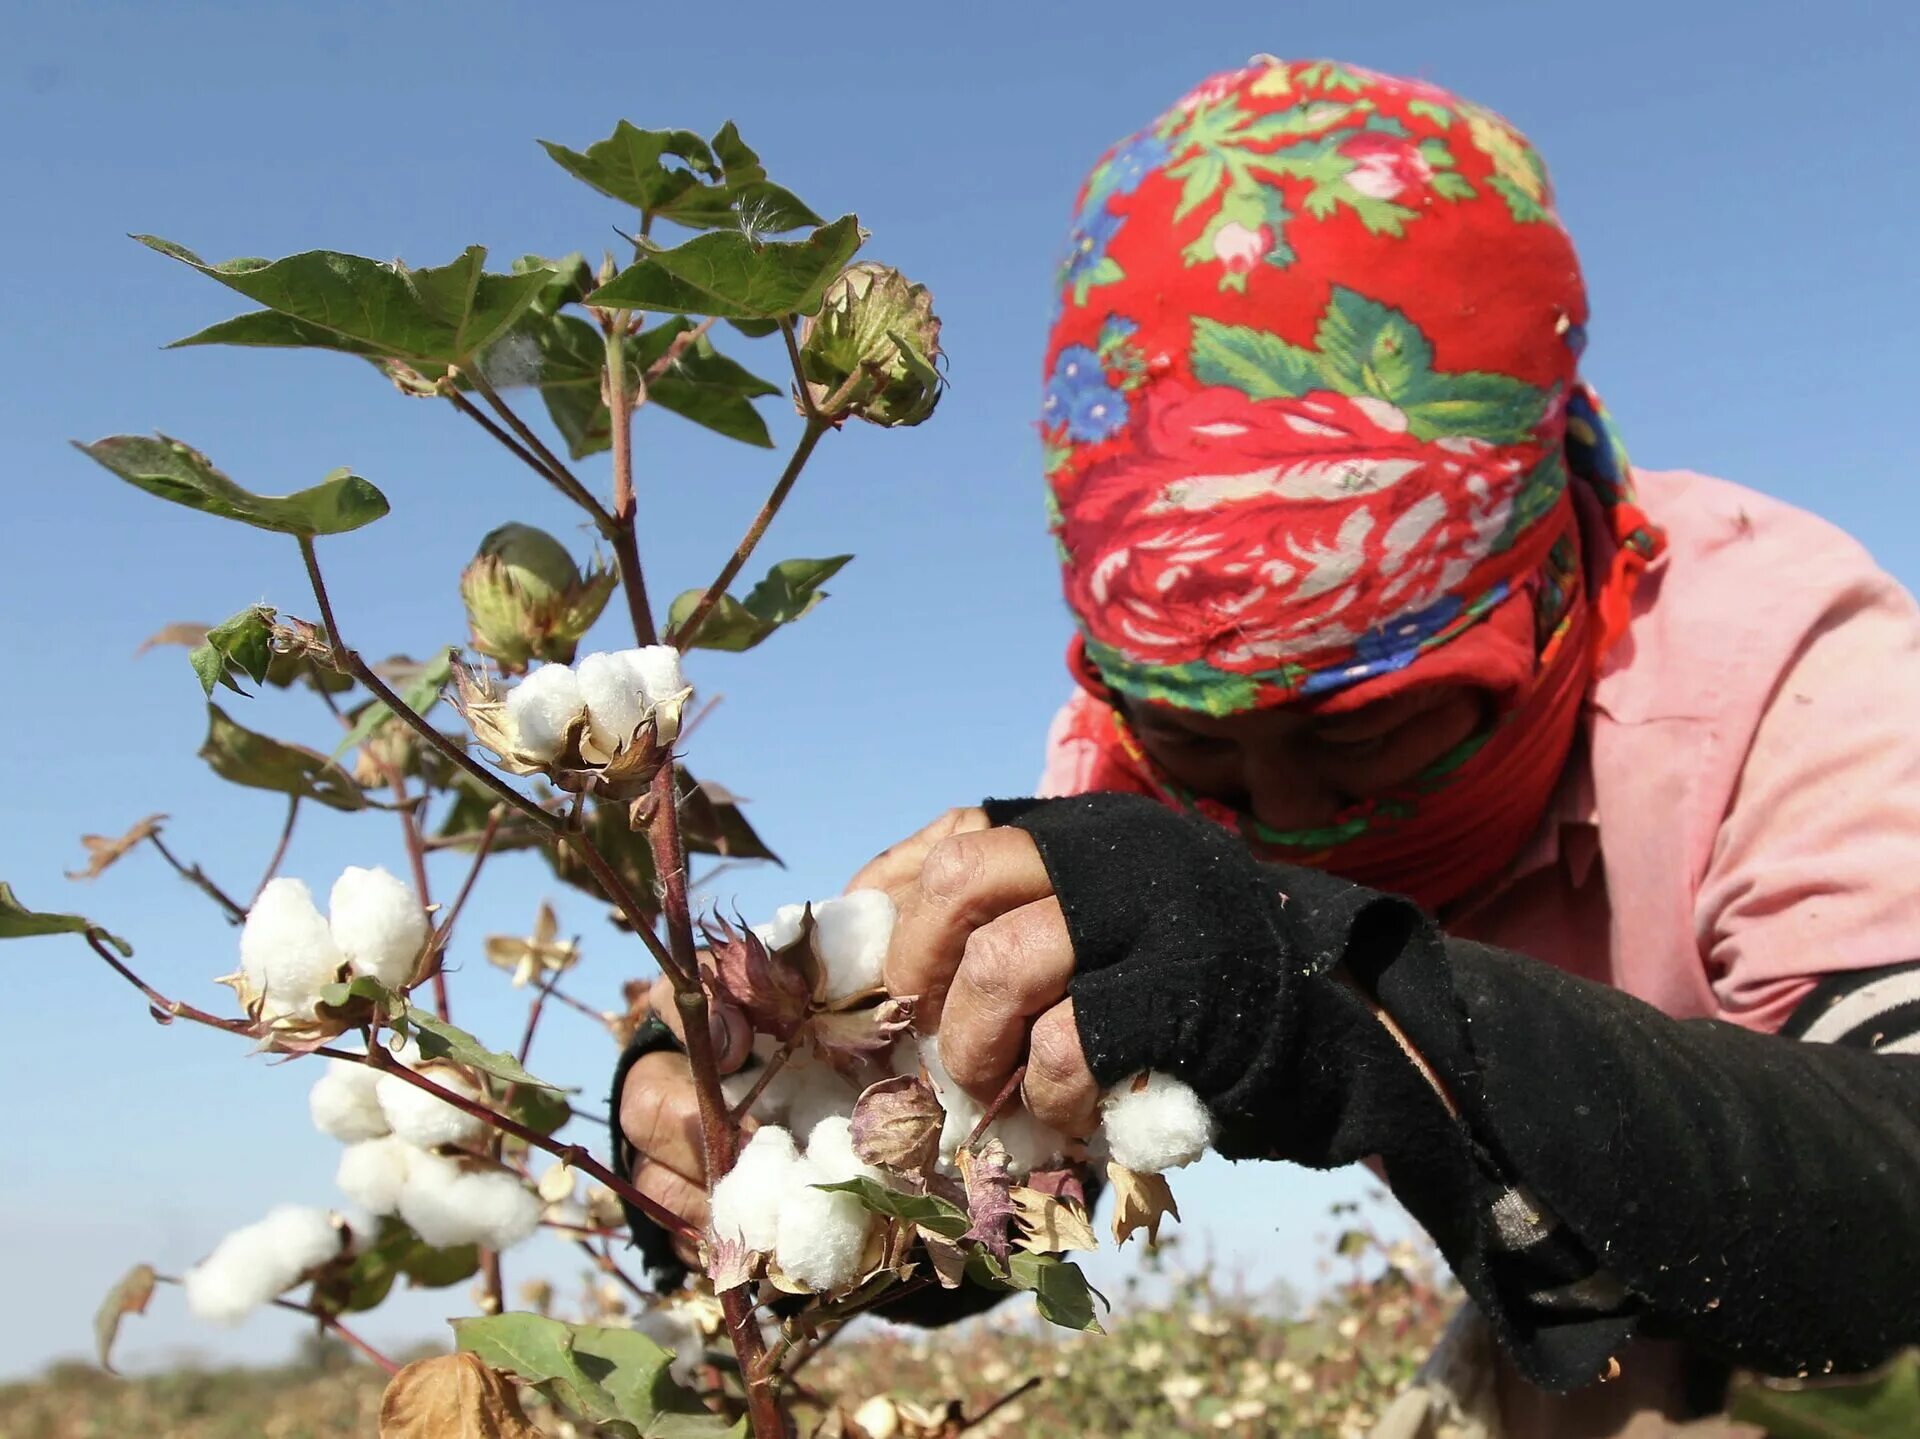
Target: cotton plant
(846, 1163)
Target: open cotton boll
(448, 1205)
(377, 924)
(344, 1104)
(830, 1150)
(425, 1119)
(261, 1260)
(746, 1201)
(1030, 1144)
(615, 704)
(657, 669)
(964, 1112)
(784, 928)
(287, 952)
(373, 1172)
(817, 1091)
(822, 1236)
(1160, 1125)
(542, 708)
(850, 935)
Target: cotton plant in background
(847, 1165)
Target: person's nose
(1285, 793)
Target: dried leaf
(989, 1184)
(729, 1263)
(845, 1037)
(1060, 1183)
(949, 1260)
(1140, 1201)
(454, 1396)
(772, 990)
(129, 1296)
(539, 954)
(102, 852)
(1051, 1225)
(896, 1124)
(180, 632)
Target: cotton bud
(287, 953)
(850, 935)
(1153, 1122)
(746, 1201)
(373, 1172)
(343, 1102)
(378, 925)
(254, 1264)
(425, 1119)
(615, 703)
(821, 1236)
(875, 324)
(526, 599)
(450, 1203)
(542, 710)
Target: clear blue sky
(1741, 179)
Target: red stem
(280, 850)
(328, 1321)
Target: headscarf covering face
(1311, 424)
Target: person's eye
(1353, 744)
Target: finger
(660, 1113)
(1059, 1090)
(897, 867)
(732, 1035)
(672, 1191)
(967, 881)
(1015, 969)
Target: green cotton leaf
(790, 590)
(243, 643)
(1884, 1406)
(420, 696)
(929, 1211)
(615, 1378)
(745, 197)
(396, 1252)
(568, 281)
(174, 471)
(541, 1110)
(128, 1296)
(703, 385)
(733, 276)
(631, 164)
(1261, 365)
(19, 922)
(539, 1351)
(1059, 1289)
(245, 758)
(442, 315)
(1367, 348)
(439, 1040)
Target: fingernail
(730, 1037)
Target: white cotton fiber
(671, 1327)
(377, 925)
(830, 1150)
(343, 1102)
(1030, 1144)
(746, 1201)
(822, 1236)
(850, 935)
(816, 1091)
(449, 1204)
(615, 704)
(424, 1119)
(1162, 1125)
(286, 950)
(657, 669)
(964, 1112)
(373, 1172)
(784, 928)
(258, 1262)
(542, 708)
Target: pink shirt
(1743, 814)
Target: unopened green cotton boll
(377, 924)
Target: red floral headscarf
(1311, 424)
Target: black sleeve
(1751, 1195)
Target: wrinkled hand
(982, 946)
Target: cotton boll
(373, 1172)
(817, 1092)
(377, 924)
(343, 1102)
(287, 952)
(542, 708)
(615, 704)
(255, 1263)
(1161, 1125)
(669, 1326)
(1030, 1144)
(964, 1112)
(830, 1150)
(850, 935)
(746, 1201)
(424, 1119)
(822, 1236)
(784, 928)
(448, 1205)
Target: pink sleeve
(1071, 755)
(1816, 868)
